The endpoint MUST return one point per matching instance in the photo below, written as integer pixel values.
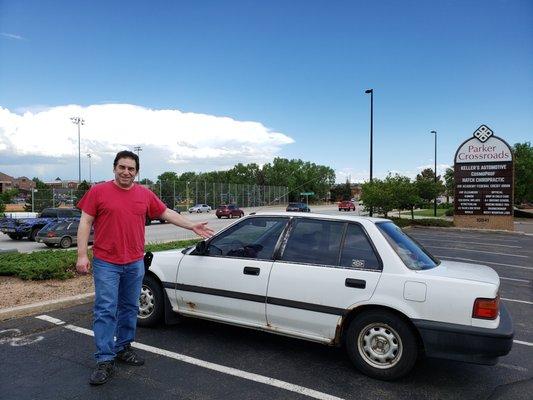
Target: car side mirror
(201, 248)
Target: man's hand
(83, 265)
(202, 230)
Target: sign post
(484, 176)
(307, 194)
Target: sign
(483, 173)
(307, 193)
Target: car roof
(354, 218)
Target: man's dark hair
(127, 154)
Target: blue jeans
(116, 304)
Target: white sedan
(340, 280)
(200, 208)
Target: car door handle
(355, 283)
(251, 271)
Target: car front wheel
(381, 345)
(151, 302)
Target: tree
(2, 207)
(341, 191)
(147, 182)
(379, 196)
(428, 190)
(405, 193)
(165, 187)
(83, 187)
(7, 196)
(42, 196)
(449, 183)
(523, 173)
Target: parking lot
(51, 356)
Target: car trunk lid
(461, 270)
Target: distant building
(22, 183)
(58, 183)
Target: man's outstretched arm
(201, 229)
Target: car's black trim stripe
(306, 306)
(257, 298)
(220, 292)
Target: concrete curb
(45, 306)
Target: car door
(325, 267)
(229, 281)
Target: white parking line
(482, 262)
(514, 279)
(50, 319)
(524, 343)
(465, 242)
(209, 365)
(517, 301)
(477, 251)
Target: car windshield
(412, 253)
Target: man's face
(125, 172)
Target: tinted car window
(412, 254)
(314, 242)
(357, 251)
(73, 228)
(252, 238)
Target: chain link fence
(177, 195)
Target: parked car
(200, 208)
(61, 234)
(18, 228)
(298, 207)
(359, 282)
(346, 205)
(229, 211)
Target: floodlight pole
(371, 92)
(78, 121)
(435, 179)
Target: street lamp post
(78, 121)
(90, 177)
(138, 149)
(371, 91)
(435, 179)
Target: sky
(203, 85)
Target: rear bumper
(467, 343)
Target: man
(118, 209)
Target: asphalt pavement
(50, 357)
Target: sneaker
(102, 373)
(128, 356)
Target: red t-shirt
(119, 217)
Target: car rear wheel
(50, 244)
(151, 302)
(14, 236)
(381, 345)
(65, 242)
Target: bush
(41, 265)
(401, 222)
(449, 212)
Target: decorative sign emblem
(358, 263)
(483, 133)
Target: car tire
(151, 302)
(50, 244)
(65, 242)
(340, 209)
(33, 234)
(14, 236)
(218, 216)
(381, 345)
(147, 221)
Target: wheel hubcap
(146, 302)
(380, 345)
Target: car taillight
(486, 308)
(51, 234)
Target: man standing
(118, 209)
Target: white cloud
(12, 36)
(169, 138)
